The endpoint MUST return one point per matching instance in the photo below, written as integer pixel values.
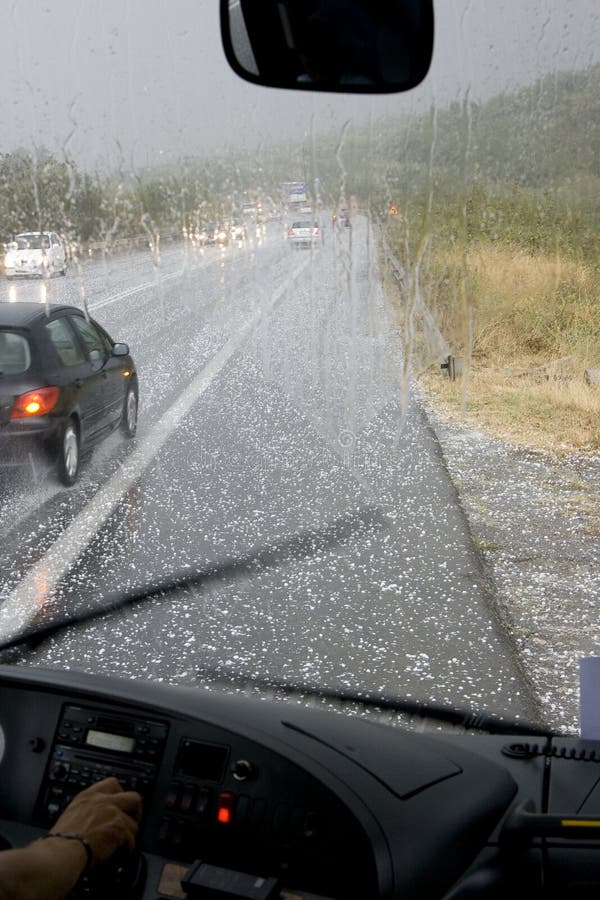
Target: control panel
(90, 745)
(214, 792)
(215, 787)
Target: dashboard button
(225, 808)
(187, 800)
(311, 825)
(60, 771)
(203, 801)
(242, 812)
(243, 769)
(257, 813)
(172, 797)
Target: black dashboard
(314, 803)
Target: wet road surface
(271, 401)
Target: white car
(237, 230)
(304, 234)
(35, 253)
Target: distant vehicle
(210, 230)
(304, 234)
(64, 385)
(237, 231)
(222, 234)
(344, 218)
(218, 234)
(35, 253)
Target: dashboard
(256, 798)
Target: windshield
(433, 354)
(32, 241)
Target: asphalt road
(272, 401)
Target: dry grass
(524, 312)
(560, 417)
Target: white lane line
(39, 583)
(146, 285)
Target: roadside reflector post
(453, 366)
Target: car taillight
(317, 231)
(291, 232)
(35, 403)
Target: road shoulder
(536, 522)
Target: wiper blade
(300, 546)
(464, 718)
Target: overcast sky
(140, 81)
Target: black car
(64, 385)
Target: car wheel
(130, 412)
(69, 454)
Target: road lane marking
(146, 285)
(37, 586)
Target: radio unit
(92, 744)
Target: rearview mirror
(348, 46)
(120, 350)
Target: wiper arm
(464, 718)
(300, 546)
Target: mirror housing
(120, 349)
(345, 46)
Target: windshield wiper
(300, 546)
(464, 718)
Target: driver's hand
(105, 815)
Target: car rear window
(32, 241)
(302, 225)
(15, 354)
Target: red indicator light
(35, 403)
(225, 804)
(224, 815)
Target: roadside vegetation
(494, 256)
(41, 192)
